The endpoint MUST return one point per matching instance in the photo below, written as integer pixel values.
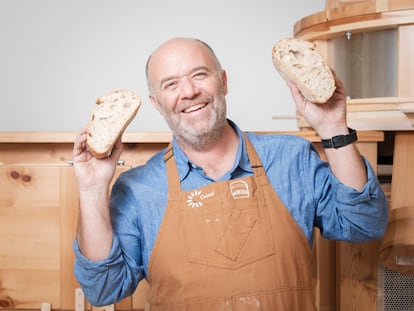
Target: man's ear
(155, 103)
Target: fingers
(81, 153)
(117, 149)
(299, 99)
(79, 143)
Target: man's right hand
(92, 173)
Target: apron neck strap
(254, 159)
(174, 178)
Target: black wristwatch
(340, 140)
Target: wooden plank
(68, 223)
(365, 8)
(406, 60)
(45, 306)
(104, 308)
(79, 300)
(29, 227)
(374, 121)
(359, 16)
(69, 137)
(382, 100)
(403, 170)
(324, 272)
(357, 271)
(60, 154)
(375, 21)
(332, 4)
(397, 248)
(318, 18)
(369, 150)
(395, 5)
(27, 289)
(140, 297)
(29, 217)
(43, 154)
(405, 104)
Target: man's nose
(188, 87)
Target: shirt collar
(184, 165)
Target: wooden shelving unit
(333, 30)
(344, 19)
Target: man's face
(188, 87)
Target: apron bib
(231, 245)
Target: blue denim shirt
(304, 183)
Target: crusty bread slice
(297, 61)
(112, 115)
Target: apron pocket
(229, 239)
(238, 229)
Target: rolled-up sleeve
(105, 281)
(354, 216)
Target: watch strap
(340, 140)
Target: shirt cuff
(94, 266)
(350, 196)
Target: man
(221, 220)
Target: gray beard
(200, 139)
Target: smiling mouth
(194, 108)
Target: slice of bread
(112, 115)
(297, 62)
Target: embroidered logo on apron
(239, 189)
(195, 198)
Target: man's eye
(170, 85)
(200, 75)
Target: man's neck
(217, 158)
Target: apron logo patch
(196, 197)
(239, 189)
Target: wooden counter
(56, 147)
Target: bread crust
(298, 62)
(112, 115)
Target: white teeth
(194, 108)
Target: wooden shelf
(149, 137)
(359, 16)
(68, 137)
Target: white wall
(57, 57)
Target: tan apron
(231, 245)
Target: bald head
(177, 50)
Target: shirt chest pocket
(227, 236)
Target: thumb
(117, 149)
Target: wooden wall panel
(406, 61)
(357, 276)
(397, 247)
(140, 297)
(29, 230)
(68, 222)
